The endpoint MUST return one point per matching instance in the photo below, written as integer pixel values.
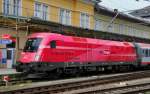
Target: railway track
(64, 86)
(130, 89)
(116, 88)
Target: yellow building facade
(68, 12)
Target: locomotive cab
(29, 53)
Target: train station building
(85, 18)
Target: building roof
(144, 12)
(110, 12)
(91, 1)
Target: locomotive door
(89, 53)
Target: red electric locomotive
(50, 52)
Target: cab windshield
(32, 44)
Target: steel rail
(129, 89)
(68, 86)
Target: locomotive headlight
(37, 57)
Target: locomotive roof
(41, 35)
(80, 39)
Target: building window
(45, 12)
(130, 29)
(6, 5)
(110, 28)
(97, 24)
(38, 10)
(65, 16)
(17, 7)
(12, 7)
(122, 28)
(41, 11)
(84, 20)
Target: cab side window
(53, 44)
(143, 52)
(146, 52)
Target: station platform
(8, 71)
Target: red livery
(45, 52)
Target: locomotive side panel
(112, 51)
(65, 53)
